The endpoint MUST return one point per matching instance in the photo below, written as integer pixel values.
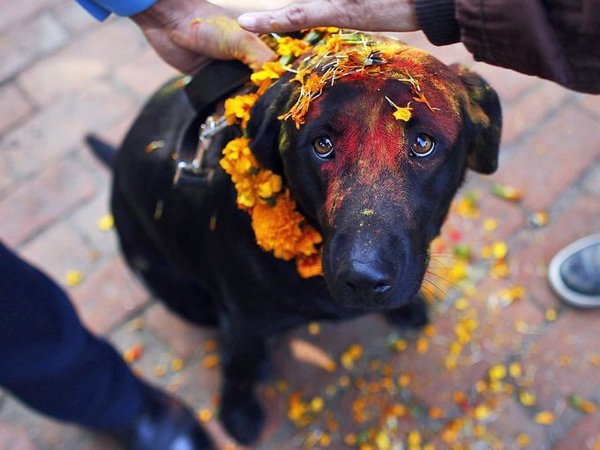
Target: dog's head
(376, 186)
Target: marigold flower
(288, 46)
(277, 228)
(267, 184)
(237, 109)
(310, 266)
(269, 72)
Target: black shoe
(164, 424)
(574, 273)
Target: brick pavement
(62, 75)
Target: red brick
(25, 44)
(183, 337)
(506, 422)
(154, 352)
(497, 335)
(75, 18)
(44, 431)
(590, 104)
(14, 437)
(555, 157)
(509, 85)
(58, 250)
(591, 183)
(513, 420)
(6, 176)
(560, 362)
(537, 247)
(509, 217)
(448, 54)
(584, 435)
(15, 106)
(82, 63)
(116, 134)
(492, 342)
(58, 128)
(198, 385)
(145, 73)
(85, 221)
(14, 13)
(36, 204)
(108, 296)
(529, 111)
(92, 441)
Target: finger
(294, 17)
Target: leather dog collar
(213, 83)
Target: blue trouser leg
(53, 364)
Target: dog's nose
(366, 280)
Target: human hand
(366, 15)
(185, 33)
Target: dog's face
(376, 186)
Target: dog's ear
(485, 114)
(265, 128)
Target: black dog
(377, 188)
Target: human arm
(186, 33)
(553, 39)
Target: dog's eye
(423, 145)
(323, 147)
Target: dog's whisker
(443, 292)
(440, 277)
(428, 291)
(440, 262)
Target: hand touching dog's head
(379, 185)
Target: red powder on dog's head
(351, 56)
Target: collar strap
(214, 82)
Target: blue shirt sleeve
(101, 9)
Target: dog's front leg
(245, 362)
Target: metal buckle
(194, 171)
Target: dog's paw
(242, 416)
(413, 316)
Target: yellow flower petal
(515, 369)
(497, 372)
(544, 418)
(106, 222)
(527, 398)
(205, 415)
(523, 440)
(551, 314)
(401, 113)
(74, 277)
(414, 439)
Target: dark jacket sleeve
(554, 39)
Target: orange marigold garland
(277, 225)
